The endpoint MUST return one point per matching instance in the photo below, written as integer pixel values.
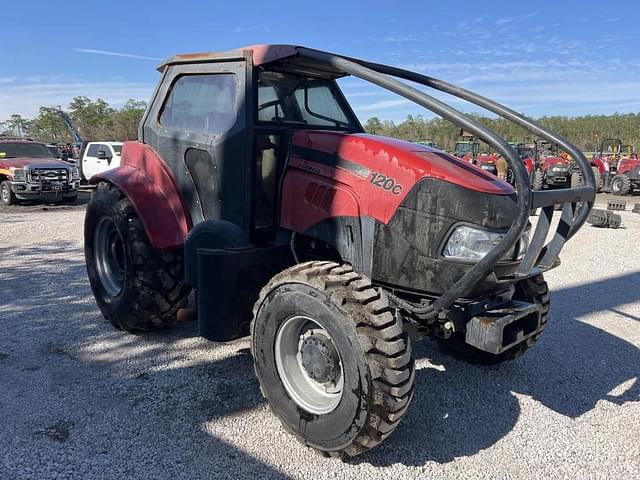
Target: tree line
(586, 132)
(94, 119)
(97, 120)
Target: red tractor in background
(468, 149)
(617, 167)
(552, 169)
(254, 190)
(527, 155)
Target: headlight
(18, 174)
(75, 173)
(469, 243)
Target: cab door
(197, 125)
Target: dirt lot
(79, 399)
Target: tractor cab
(467, 148)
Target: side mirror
(102, 155)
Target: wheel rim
(5, 193)
(108, 250)
(616, 185)
(309, 365)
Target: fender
(599, 164)
(148, 183)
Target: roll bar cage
(576, 202)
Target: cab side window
(201, 103)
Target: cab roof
(278, 56)
(261, 54)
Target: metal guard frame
(576, 202)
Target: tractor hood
(401, 164)
(21, 162)
(553, 161)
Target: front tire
(532, 289)
(538, 180)
(6, 194)
(137, 288)
(620, 184)
(332, 360)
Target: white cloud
(380, 106)
(114, 54)
(251, 28)
(4, 80)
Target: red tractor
(254, 186)
(552, 170)
(468, 149)
(618, 167)
(527, 155)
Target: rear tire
(371, 358)
(6, 195)
(538, 180)
(532, 289)
(137, 288)
(578, 181)
(620, 184)
(598, 179)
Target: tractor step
(617, 205)
(636, 208)
(499, 329)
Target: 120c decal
(386, 183)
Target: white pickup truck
(98, 157)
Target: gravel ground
(79, 399)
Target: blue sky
(543, 57)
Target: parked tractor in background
(552, 170)
(254, 186)
(618, 167)
(468, 149)
(527, 155)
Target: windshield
(24, 149)
(117, 149)
(462, 148)
(287, 98)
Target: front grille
(48, 175)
